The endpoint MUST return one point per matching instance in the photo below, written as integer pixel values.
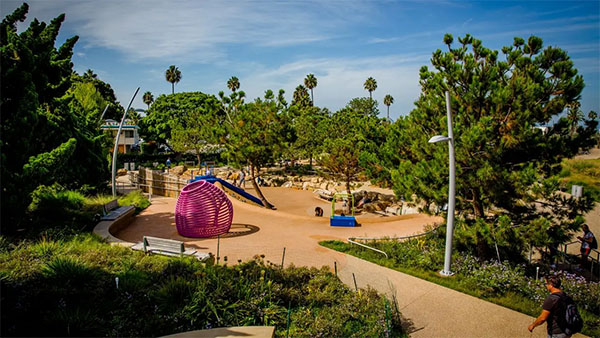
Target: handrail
(352, 240)
(368, 247)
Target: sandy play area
(257, 230)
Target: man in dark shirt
(553, 310)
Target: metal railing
(594, 261)
(353, 240)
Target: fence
(155, 182)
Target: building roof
(112, 124)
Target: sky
(275, 44)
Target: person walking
(553, 310)
(242, 179)
(587, 243)
(168, 164)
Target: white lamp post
(451, 189)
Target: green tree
(173, 75)
(198, 127)
(370, 85)
(348, 134)
(364, 106)
(311, 82)
(169, 111)
(388, 100)
(233, 84)
(301, 98)
(504, 165)
(46, 136)
(574, 115)
(88, 94)
(255, 136)
(148, 99)
(309, 128)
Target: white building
(129, 134)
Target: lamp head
(439, 138)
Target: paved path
(431, 310)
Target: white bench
(169, 247)
(112, 210)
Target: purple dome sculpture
(203, 210)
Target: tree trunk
(198, 158)
(388, 113)
(477, 205)
(310, 162)
(172, 87)
(257, 189)
(312, 98)
(349, 204)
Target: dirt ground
(257, 230)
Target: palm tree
(388, 100)
(148, 98)
(370, 85)
(300, 97)
(173, 75)
(311, 82)
(90, 75)
(574, 115)
(233, 84)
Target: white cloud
(197, 31)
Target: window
(129, 133)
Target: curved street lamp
(114, 158)
(451, 189)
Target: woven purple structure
(203, 210)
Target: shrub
(68, 288)
(135, 198)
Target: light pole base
(445, 273)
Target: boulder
(314, 180)
(287, 184)
(122, 172)
(178, 170)
(387, 198)
(324, 185)
(305, 185)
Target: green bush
(135, 198)
(68, 288)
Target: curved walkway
(431, 310)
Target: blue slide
(232, 188)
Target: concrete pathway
(431, 310)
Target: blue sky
(274, 44)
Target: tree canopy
(256, 135)
(198, 127)
(503, 162)
(169, 111)
(48, 135)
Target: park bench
(168, 247)
(113, 211)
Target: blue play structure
(342, 221)
(228, 187)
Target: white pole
(104, 112)
(114, 159)
(451, 194)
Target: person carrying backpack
(588, 242)
(558, 311)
